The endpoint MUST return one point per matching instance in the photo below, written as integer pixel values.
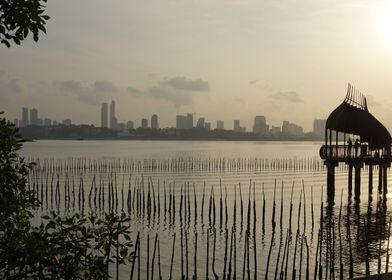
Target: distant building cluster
(34, 119)
(109, 119)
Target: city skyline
(216, 58)
(187, 121)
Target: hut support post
(370, 179)
(385, 176)
(350, 179)
(357, 179)
(331, 177)
(380, 178)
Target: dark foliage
(20, 17)
(71, 247)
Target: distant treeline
(92, 132)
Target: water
(280, 165)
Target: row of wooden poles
(141, 197)
(144, 200)
(125, 165)
(333, 256)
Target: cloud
(371, 101)
(252, 82)
(177, 90)
(105, 86)
(92, 94)
(9, 86)
(135, 92)
(289, 96)
(239, 100)
(182, 83)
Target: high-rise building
(54, 123)
(104, 115)
(189, 121)
(207, 125)
(144, 123)
(236, 125)
(180, 122)
(25, 117)
(16, 122)
(184, 122)
(47, 122)
(154, 122)
(200, 123)
(275, 130)
(260, 126)
(34, 116)
(291, 129)
(319, 127)
(220, 125)
(130, 125)
(67, 122)
(112, 118)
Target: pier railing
(343, 152)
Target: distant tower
(34, 116)
(130, 125)
(154, 122)
(189, 121)
(260, 125)
(113, 115)
(25, 117)
(144, 123)
(220, 125)
(200, 123)
(104, 115)
(236, 125)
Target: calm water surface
(226, 184)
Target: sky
(219, 59)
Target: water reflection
(355, 236)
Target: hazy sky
(222, 59)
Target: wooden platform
(383, 276)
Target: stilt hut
(355, 137)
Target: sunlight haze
(222, 60)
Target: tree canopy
(20, 17)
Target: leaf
(5, 42)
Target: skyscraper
(236, 125)
(34, 116)
(144, 123)
(319, 127)
(220, 125)
(154, 122)
(200, 123)
(130, 125)
(104, 115)
(113, 119)
(260, 126)
(189, 121)
(25, 117)
(180, 122)
(184, 122)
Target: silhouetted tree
(20, 17)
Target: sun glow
(385, 24)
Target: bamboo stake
(172, 257)
(389, 235)
(153, 257)
(213, 257)
(195, 259)
(134, 256)
(291, 206)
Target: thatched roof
(353, 117)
